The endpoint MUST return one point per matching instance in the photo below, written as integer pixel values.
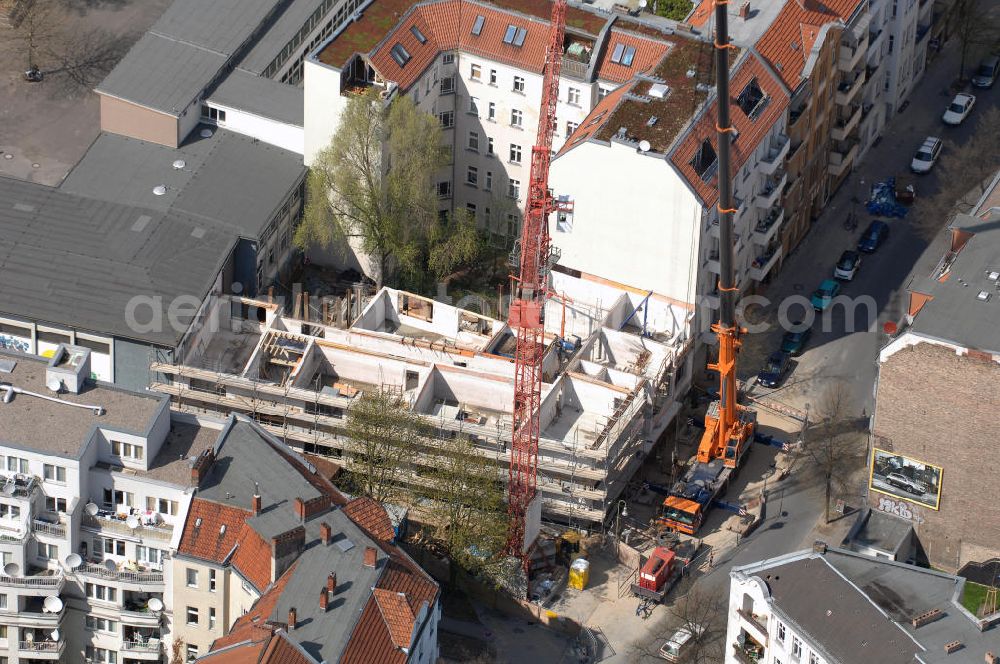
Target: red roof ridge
(372, 517)
(397, 614)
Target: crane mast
(527, 310)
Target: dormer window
(752, 100)
(704, 160)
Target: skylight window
(419, 35)
(616, 56)
(477, 27)
(629, 55)
(752, 100)
(704, 160)
(508, 37)
(519, 37)
(400, 55)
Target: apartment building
(829, 605)
(931, 384)
(615, 368)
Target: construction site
(615, 365)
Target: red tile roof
(281, 650)
(703, 13)
(206, 541)
(251, 625)
(594, 121)
(786, 44)
(247, 653)
(397, 614)
(317, 478)
(371, 642)
(647, 53)
(371, 517)
(751, 131)
(253, 558)
(265, 647)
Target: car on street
(903, 482)
(823, 295)
(679, 645)
(987, 72)
(847, 266)
(927, 155)
(873, 237)
(959, 109)
(774, 370)
(794, 342)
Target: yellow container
(579, 574)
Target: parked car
(847, 266)
(958, 109)
(906, 484)
(679, 645)
(873, 237)
(926, 155)
(774, 370)
(793, 342)
(987, 72)
(823, 295)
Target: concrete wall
(931, 406)
(273, 132)
(201, 598)
(323, 107)
(121, 117)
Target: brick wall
(941, 408)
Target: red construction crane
(527, 312)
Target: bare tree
(177, 652)
(34, 27)
(834, 443)
(86, 57)
(703, 614)
(976, 27)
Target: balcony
(767, 228)
(42, 649)
(763, 264)
(850, 53)
(49, 528)
(849, 119)
(47, 580)
(141, 643)
(111, 522)
(575, 68)
(755, 622)
(17, 485)
(767, 196)
(842, 157)
(747, 655)
(875, 40)
(794, 114)
(848, 88)
(922, 31)
(139, 576)
(776, 155)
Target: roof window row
(623, 55)
(514, 35)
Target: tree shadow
(83, 7)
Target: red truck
(663, 569)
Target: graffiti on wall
(14, 343)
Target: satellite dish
(133, 522)
(8, 489)
(159, 190)
(54, 384)
(74, 560)
(154, 604)
(55, 633)
(91, 509)
(179, 164)
(53, 604)
(206, 133)
(11, 569)
(644, 146)
(110, 565)
(642, 4)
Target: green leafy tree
(385, 434)
(672, 9)
(454, 243)
(374, 184)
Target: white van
(678, 645)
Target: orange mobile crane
(729, 427)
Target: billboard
(905, 478)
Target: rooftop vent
(222, 530)
(69, 368)
(691, 73)
(141, 223)
(159, 190)
(703, 87)
(658, 90)
(344, 544)
(197, 522)
(198, 233)
(992, 275)
(7, 366)
(651, 121)
(983, 296)
(952, 646)
(644, 146)
(179, 164)
(926, 617)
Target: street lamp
(622, 511)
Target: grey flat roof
(281, 32)
(183, 444)
(883, 531)
(262, 96)
(78, 262)
(228, 179)
(955, 314)
(48, 427)
(184, 51)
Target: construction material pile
(882, 201)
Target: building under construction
(615, 368)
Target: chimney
(991, 658)
(331, 583)
(369, 556)
(325, 533)
(255, 504)
(291, 619)
(819, 546)
(323, 600)
(300, 509)
(745, 11)
(201, 466)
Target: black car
(873, 237)
(794, 343)
(774, 370)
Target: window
(510, 34)
(796, 648)
(415, 31)
(3, 601)
(192, 652)
(447, 119)
(514, 189)
(629, 55)
(813, 658)
(102, 593)
(477, 26)
(101, 655)
(623, 55)
(400, 55)
(192, 578)
(448, 58)
(471, 209)
(192, 615)
(473, 106)
(516, 118)
(114, 498)
(489, 146)
(215, 114)
(112, 546)
(564, 218)
(126, 450)
(519, 84)
(512, 223)
(211, 580)
(55, 504)
(616, 55)
(571, 127)
(102, 624)
(147, 554)
(602, 92)
(447, 85)
(492, 112)
(444, 189)
(489, 181)
(17, 465)
(515, 154)
(573, 96)
(54, 473)
(48, 551)
(472, 176)
(9, 511)
(704, 160)
(493, 77)
(781, 632)
(476, 72)
(211, 618)
(892, 41)
(752, 100)
(161, 505)
(474, 140)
